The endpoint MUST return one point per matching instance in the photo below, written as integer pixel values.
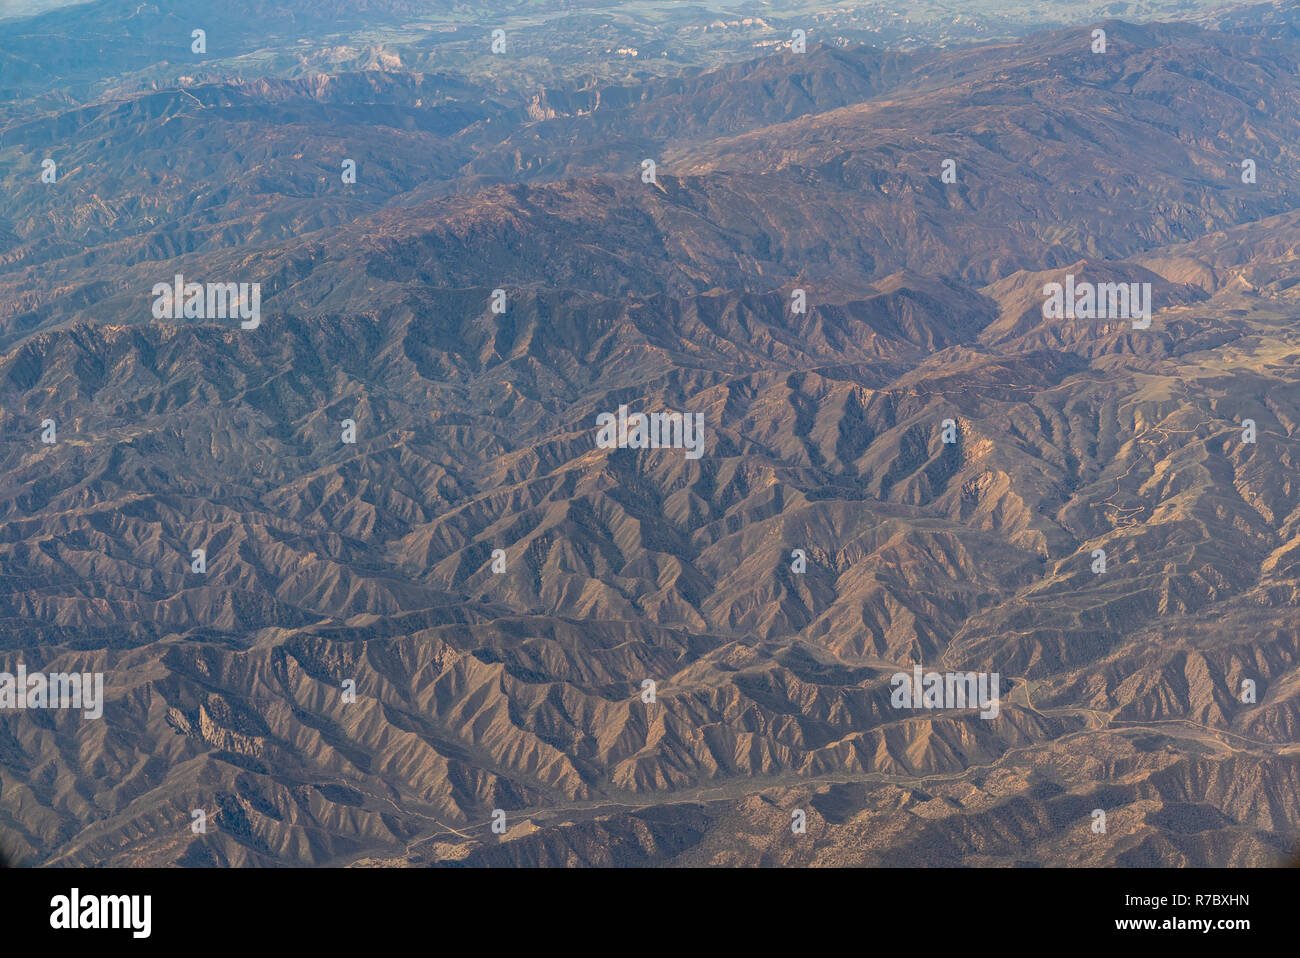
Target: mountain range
(496, 589)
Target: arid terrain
(498, 586)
